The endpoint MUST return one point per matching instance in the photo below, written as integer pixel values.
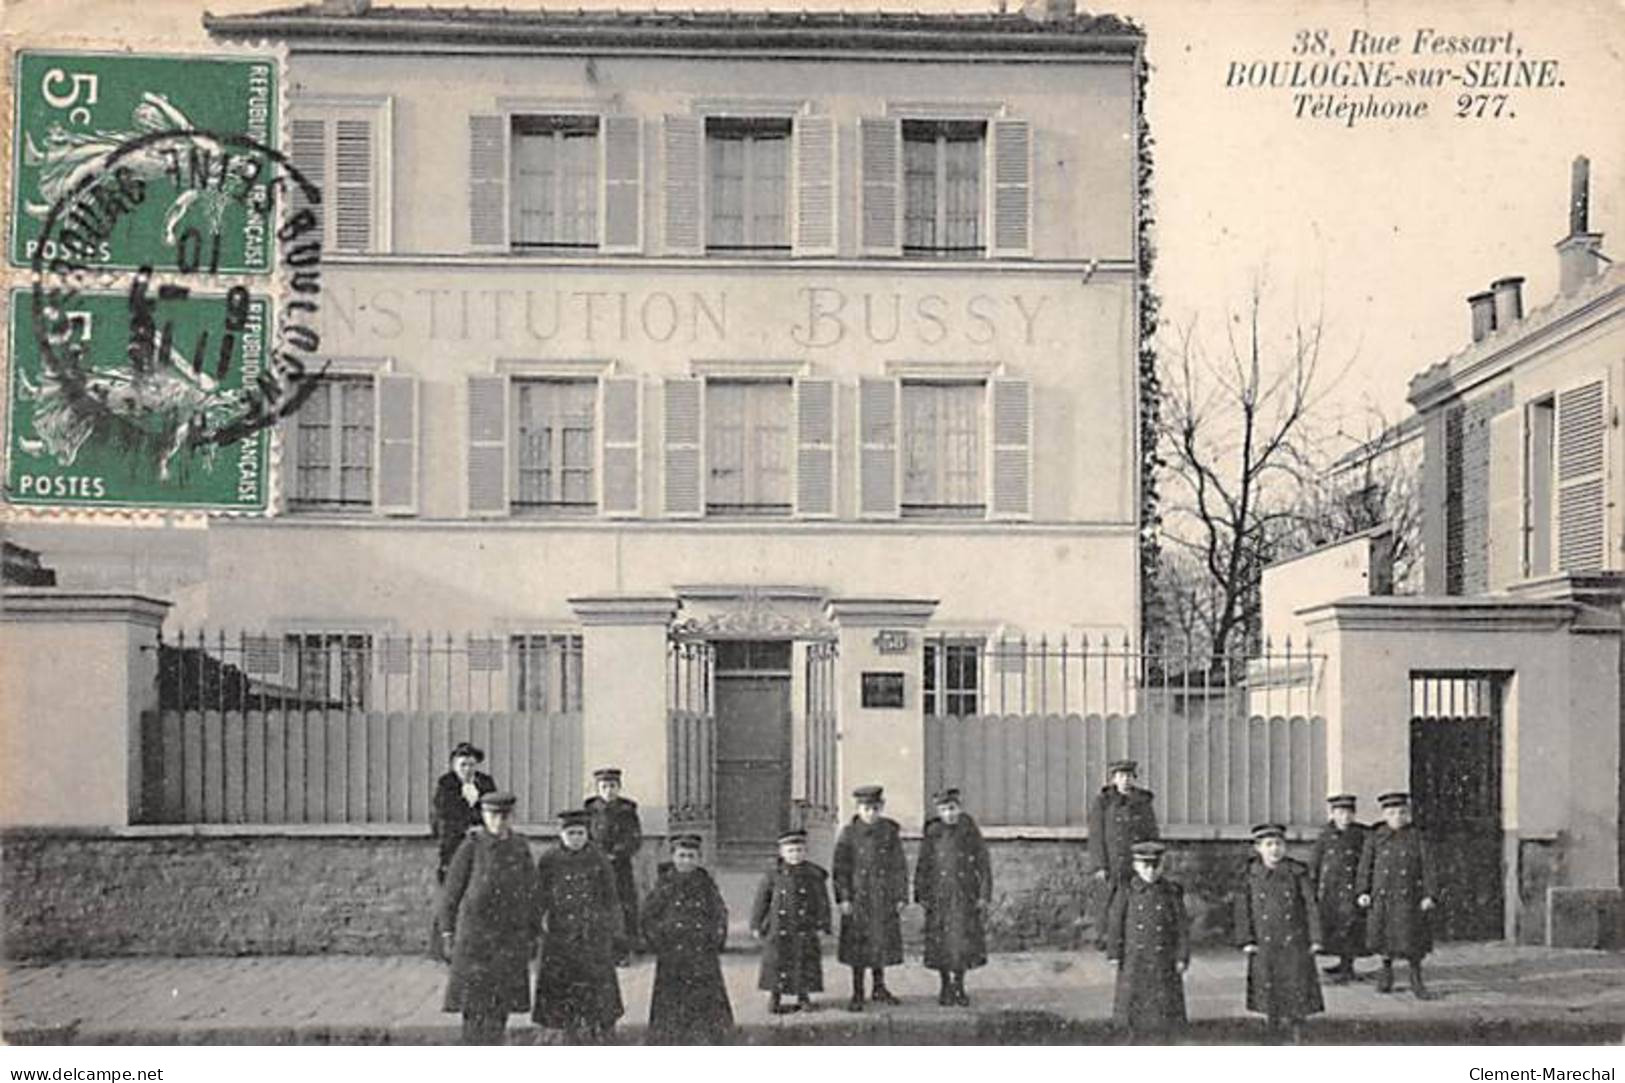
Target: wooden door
(753, 751)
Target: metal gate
(1456, 793)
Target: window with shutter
(623, 184)
(747, 184)
(747, 447)
(815, 448)
(342, 146)
(553, 166)
(877, 448)
(333, 447)
(1581, 461)
(487, 493)
(944, 448)
(942, 187)
(554, 429)
(622, 446)
(1012, 449)
(880, 164)
(1012, 205)
(487, 181)
(683, 139)
(683, 417)
(397, 427)
(814, 228)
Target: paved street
(1487, 994)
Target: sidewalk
(1487, 994)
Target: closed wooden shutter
(1012, 189)
(487, 181)
(623, 450)
(877, 448)
(395, 424)
(1581, 483)
(880, 142)
(815, 448)
(684, 427)
(353, 183)
(487, 445)
(815, 173)
(684, 150)
(623, 184)
(307, 150)
(1504, 530)
(1012, 449)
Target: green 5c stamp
(75, 110)
(159, 372)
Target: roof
(721, 30)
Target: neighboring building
(754, 332)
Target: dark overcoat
(1116, 822)
(791, 909)
(616, 830)
(685, 923)
(1335, 866)
(489, 905)
(450, 814)
(1276, 911)
(1396, 870)
(872, 875)
(953, 880)
(1147, 933)
(576, 984)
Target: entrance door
(753, 743)
(1456, 796)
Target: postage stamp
(74, 109)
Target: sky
(1382, 229)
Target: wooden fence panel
(336, 756)
(1055, 771)
(1077, 780)
(1279, 739)
(254, 810)
(1014, 740)
(422, 774)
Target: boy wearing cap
(686, 925)
(455, 810)
(953, 880)
(1148, 937)
(791, 909)
(1335, 866)
(871, 885)
(1120, 815)
(576, 987)
(489, 921)
(1397, 886)
(1278, 926)
(616, 830)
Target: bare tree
(1234, 428)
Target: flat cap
(1393, 798)
(869, 793)
(1269, 831)
(464, 748)
(607, 774)
(1343, 800)
(1148, 851)
(1131, 766)
(949, 796)
(575, 817)
(686, 842)
(498, 801)
(792, 836)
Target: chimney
(1508, 294)
(345, 8)
(1049, 11)
(1579, 253)
(1483, 307)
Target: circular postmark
(184, 372)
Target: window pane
(727, 189)
(769, 165)
(554, 426)
(579, 193)
(770, 444)
(554, 166)
(725, 442)
(315, 441)
(748, 446)
(920, 193)
(748, 169)
(963, 203)
(942, 446)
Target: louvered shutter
(684, 428)
(353, 180)
(622, 449)
(307, 150)
(395, 425)
(880, 143)
(1012, 189)
(815, 173)
(1504, 533)
(684, 147)
(1012, 449)
(622, 170)
(487, 181)
(877, 448)
(1581, 493)
(815, 448)
(487, 445)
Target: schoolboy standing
(1397, 884)
(1335, 866)
(871, 885)
(1278, 926)
(791, 909)
(686, 925)
(576, 987)
(953, 880)
(615, 829)
(1148, 936)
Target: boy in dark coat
(1335, 866)
(456, 805)
(1278, 926)
(1119, 816)
(576, 987)
(616, 830)
(953, 880)
(1148, 936)
(489, 922)
(686, 925)
(791, 909)
(1397, 885)
(871, 885)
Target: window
(748, 171)
(547, 673)
(554, 162)
(943, 448)
(341, 145)
(333, 453)
(332, 670)
(748, 447)
(1541, 419)
(952, 679)
(942, 187)
(553, 424)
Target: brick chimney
(1483, 309)
(1579, 254)
(1508, 294)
